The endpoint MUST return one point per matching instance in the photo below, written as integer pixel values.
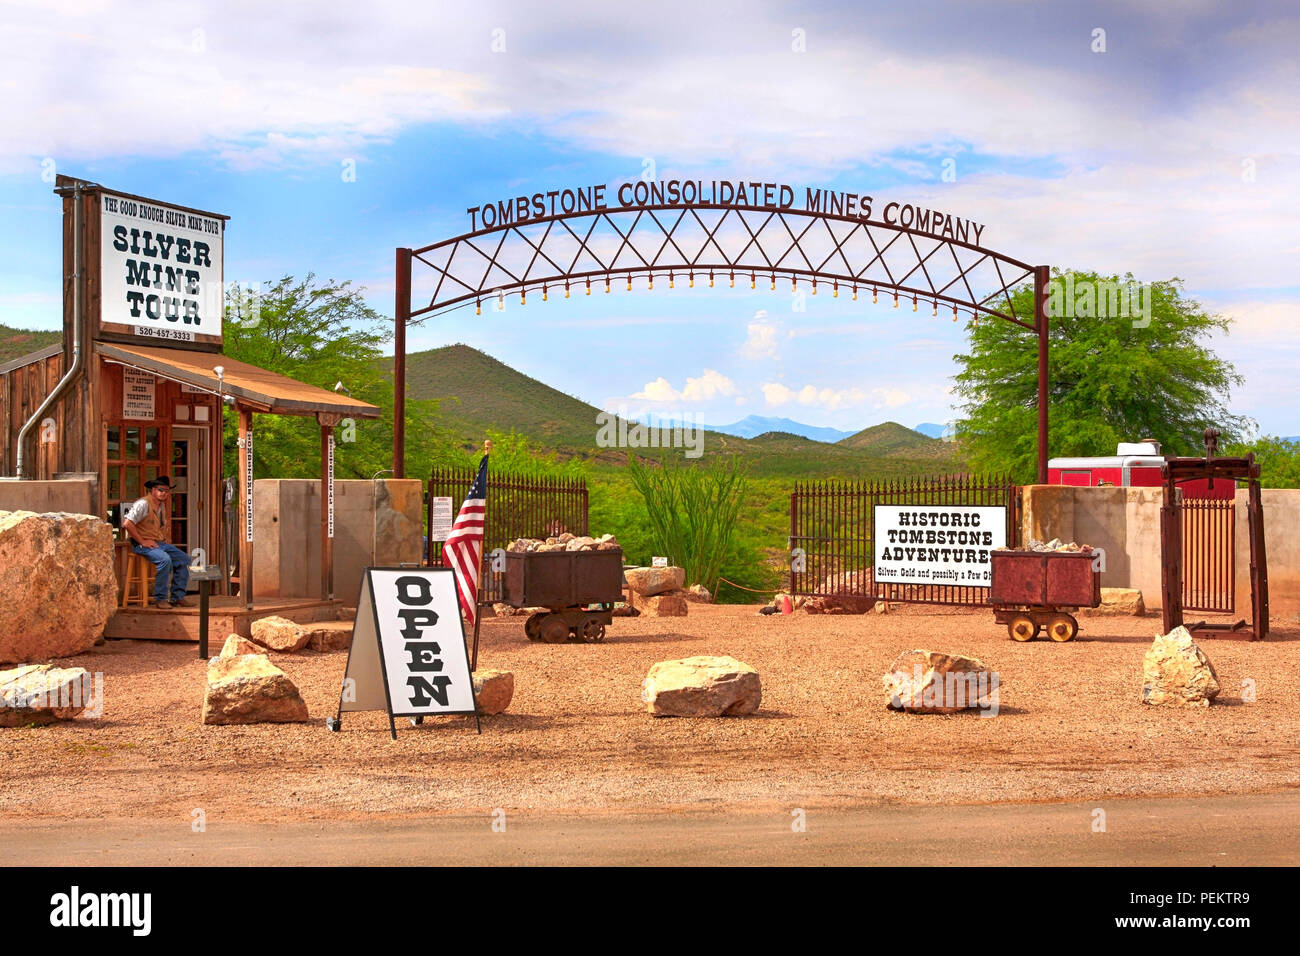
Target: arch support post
(401, 315)
(1042, 276)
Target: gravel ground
(577, 738)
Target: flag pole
(478, 611)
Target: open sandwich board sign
(408, 654)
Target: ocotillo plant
(693, 511)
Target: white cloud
(708, 386)
(810, 396)
(829, 399)
(658, 391)
(703, 388)
(1130, 162)
(760, 341)
(890, 397)
(776, 394)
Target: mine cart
(1036, 589)
(577, 588)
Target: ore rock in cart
(1033, 590)
(578, 589)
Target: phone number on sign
(174, 334)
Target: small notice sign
(658, 562)
(440, 522)
(137, 394)
(408, 654)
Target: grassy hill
(891, 438)
(475, 390)
(18, 342)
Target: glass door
(188, 500)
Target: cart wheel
(554, 630)
(532, 627)
(1022, 628)
(1062, 628)
(416, 721)
(593, 631)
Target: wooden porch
(226, 615)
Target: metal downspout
(76, 368)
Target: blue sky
(1172, 152)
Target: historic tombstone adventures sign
(938, 544)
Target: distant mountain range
(755, 425)
(931, 429)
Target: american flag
(463, 549)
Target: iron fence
(832, 524)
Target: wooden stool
(140, 573)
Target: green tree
(323, 334)
(1120, 370)
(1279, 460)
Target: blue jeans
(173, 566)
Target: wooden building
(140, 385)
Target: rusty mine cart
(578, 589)
(1032, 590)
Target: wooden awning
(252, 386)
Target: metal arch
(465, 266)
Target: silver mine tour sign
(160, 271)
(719, 193)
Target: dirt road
(577, 749)
(1252, 830)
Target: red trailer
(1134, 465)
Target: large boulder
(839, 604)
(329, 635)
(237, 646)
(702, 687)
(698, 594)
(43, 694)
(57, 585)
(648, 582)
(849, 592)
(927, 682)
(280, 634)
(249, 689)
(670, 604)
(493, 690)
(1114, 601)
(1176, 672)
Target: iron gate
(1209, 539)
(832, 533)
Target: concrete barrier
(376, 523)
(73, 495)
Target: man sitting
(147, 523)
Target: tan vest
(149, 527)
